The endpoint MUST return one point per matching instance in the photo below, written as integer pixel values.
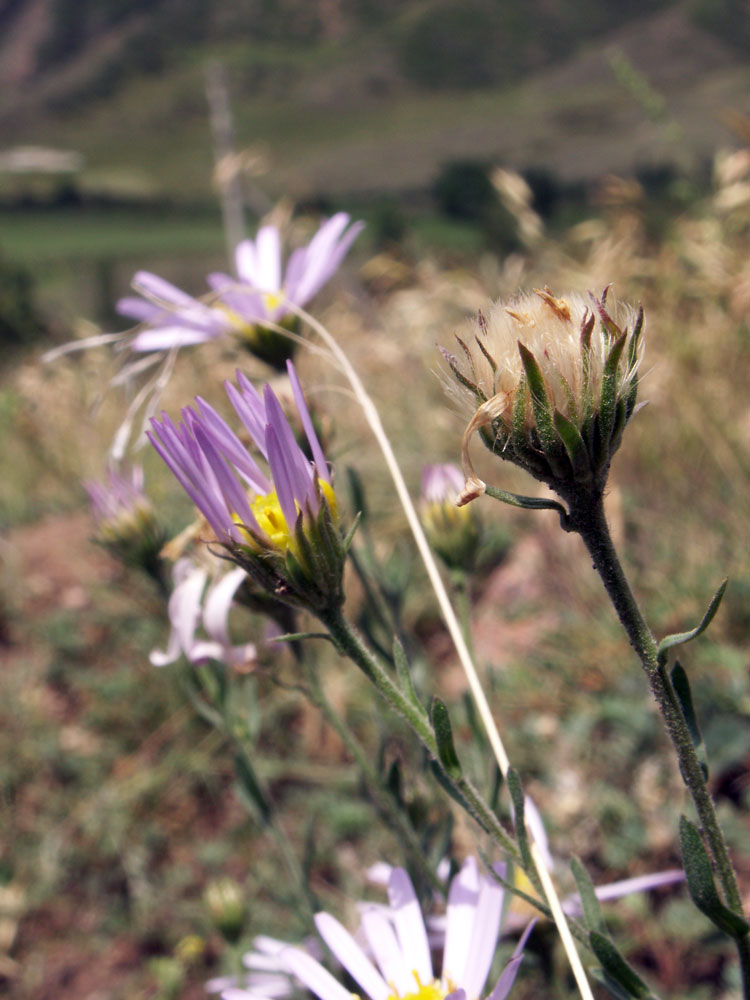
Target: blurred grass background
(118, 803)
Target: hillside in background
(350, 98)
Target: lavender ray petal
(227, 442)
(487, 917)
(203, 500)
(268, 256)
(304, 414)
(350, 955)
(246, 261)
(234, 496)
(313, 975)
(217, 604)
(385, 948)
(460, 913)
(167, 337)
(158, 288)
(410, 927)
(250, 409)
(302, 474)
(283, 478)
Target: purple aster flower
(395, 961)
(261, 293)
(286, 515)
(188, 606)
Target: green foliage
(21, 324)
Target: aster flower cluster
(552, 382)
(280, 526)
(261, 294)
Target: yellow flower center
(271, 521)
(267, 512)
(272, 300)
(426, 991)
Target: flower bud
(226, 904)
(125, 521)
(452, 531)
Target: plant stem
(588, 519)
(384, 801)
(348, 641)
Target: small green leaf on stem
(592, 914)
(528, 503)
(681, 687)
(519, 808)
(610, 985)
(617, 968)
(441, 725)
(701, 885)
(678, 638)
(249, 788)
(404, 676)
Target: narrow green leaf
(679, 638)
(357, 491)
(529, 503)
(441, 725)
(404, 676)
(519, 809)
(681, 687)
(299, 636)
(539, 400)
(616, 966)
(592, 914)
(574, 445)
(701, 885)
(349, 536)
(249, 787)
(610, 985)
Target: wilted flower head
(279, 525)
(125, 520)
(452, 531)
(553, 382)
(260, 294)
(396, 963)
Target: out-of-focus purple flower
(267, 975)
(172, 318)
(441, 483)
(395, 960)
(286, 515)
(119, 496)
(189, 606)
(261, 293)
(125, 520)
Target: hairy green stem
(588, 519)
